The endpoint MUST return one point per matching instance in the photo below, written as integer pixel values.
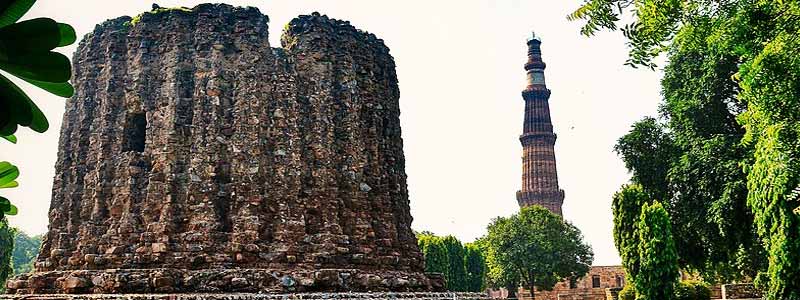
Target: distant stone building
(540, 182)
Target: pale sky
(460, 67)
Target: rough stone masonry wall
(195, 157)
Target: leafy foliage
(658, 265)
(8, 176)
(499, 275)
(475, 264)
(463, 267)
(26, 53)
(692, 290)
(25, 250)
(628, 292)
(535, 248)
(627, 209)
(756, 42)
(156, 10)
(6, 244)
(456, 272)
(434, 252)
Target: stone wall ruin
(195, 157)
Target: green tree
(658, 260)
(498, 275)
(537, 249)
(456, 272)
(6, 244)
(647, 151)
(475, 265)
(434, 253)
(25, 250)
(627, 209)
(756, 40)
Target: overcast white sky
(459, 64)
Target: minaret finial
(534, 37)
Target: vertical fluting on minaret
(539, 177)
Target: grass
(135, 20)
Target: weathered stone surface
(252, 296)
(194, 157)
(741, 291)
(539, 176)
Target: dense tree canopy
(463, 266)
(434, 253)
(456, 270)
(475, 264)
(25, 250)
(535, 248)
(732, 76)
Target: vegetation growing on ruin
(156, 10)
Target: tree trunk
(533, 287)
(512, 293)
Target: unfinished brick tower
(196, 158)
(539, 178)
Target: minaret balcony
(535, 64)
(532, 137)
(536, 92)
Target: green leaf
(36, 35)
(11, 138)
(48, 66)
(8, 127)
(61, 89)
(13, 11)
(21, 110)
(15, 107)
(7, 208)
(4, 204)
(8, 173)
(68, 35)
(9, 185)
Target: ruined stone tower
(196, 158)
(539, 177)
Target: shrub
(627, 293)
(692, 290)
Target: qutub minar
(540, 182)
(539, 177)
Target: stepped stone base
(251, 296)
(166, 280)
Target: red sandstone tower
(539, 178)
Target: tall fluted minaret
(539, 178)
